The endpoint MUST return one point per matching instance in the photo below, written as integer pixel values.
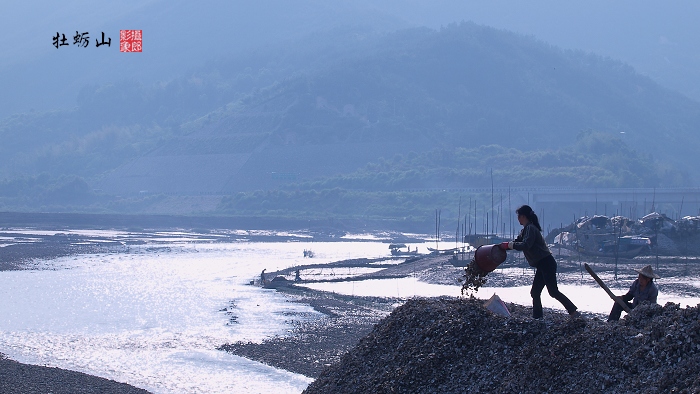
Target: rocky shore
(29, 379)
(317, 344)
(343, 334)
(457, 346)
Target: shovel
(607, 290)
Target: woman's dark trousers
(546, 275)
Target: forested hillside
(412, 185)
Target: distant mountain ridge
(418, 89)
(337, 100)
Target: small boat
(476, 240)
(628, 246)
(396, 250)
(276, 282)
(451, 251)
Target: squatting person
(643, 289)
(531, 242)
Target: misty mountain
(416, 90)
(657, 39)
(332, 102)
(413, 184)
(178, 35)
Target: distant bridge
(627, 195)
(585, 195)
(562, 204)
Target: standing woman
(532, 244)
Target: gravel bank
(28, 379)
(317, 344)
(451, 345)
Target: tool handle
(607, 290)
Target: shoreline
(16, 377)
(140, 222)
(314, 345)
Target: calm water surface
(153, 318)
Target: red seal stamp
(130, 40)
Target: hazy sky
(657, 38)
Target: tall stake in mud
(617, 243)
(578, 249)
(486, 229)
(510, 215)
(469, 213)
(500, 216)
(492, 221)
(656, 236)
(437, 230)
(561, 238)
(459, 216)
(464, 230)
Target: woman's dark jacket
(531, 242)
